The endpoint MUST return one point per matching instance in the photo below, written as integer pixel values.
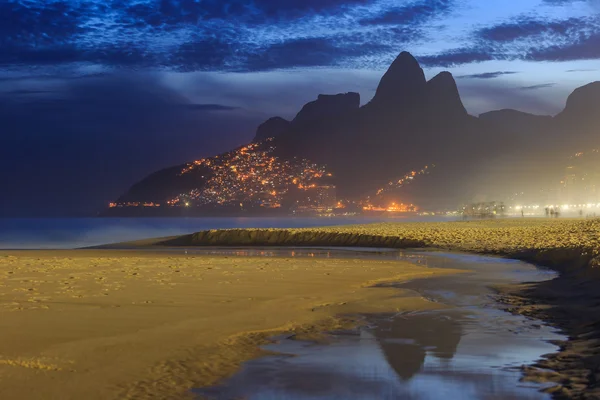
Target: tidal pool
(473, 350)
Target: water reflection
(320, 252)
(420, 356)
(471, 351)
(405, 342)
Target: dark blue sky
(96, 94)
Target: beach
(569, 302)
(117, 324)
(150, 319)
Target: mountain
(583, 102)
(408, 124)
(327, 106)
(443, 98)
(517, 123)
(403, 86)
(271, 128)
(581, 118)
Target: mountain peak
(584, 99)
(443, 96)
(271, 128)
(444, 76)
(328, 105)
(403, 83)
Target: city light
(406, 179)
(250, 175)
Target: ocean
(68, 233)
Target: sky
(96, 94)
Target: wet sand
(571, 304)
(470, 351)
(116, 324)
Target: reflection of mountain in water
(405, 342)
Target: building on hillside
(315, 198)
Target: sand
(116, 324)
(570, 246)
(559, 243)
(573, 305)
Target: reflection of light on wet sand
(473, 351)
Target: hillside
(409, 123)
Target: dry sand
(116, 324)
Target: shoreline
(572, 306)
(132, 325)
(569, 246)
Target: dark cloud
(37, 24)
(209, 107)
(201, 54)
(277, 7)
(51, 77)
(164, 12)
(36, 56)
(202, 35)
(22, 92)
(486, 75)
(241, 35)
(416, 12)
(309, 53)
(581, 70)
(586, 48)
(181, 12)
(527, 38)
(592, 3)
(525, 27)
(100, 135)
(458, 57)
(540, 86)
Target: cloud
(591, 3)
(309, 52)
(254, 35)
(182, 12)
(486, 75)
(540, 86)
(209, 107)
(457, 57)
(413, 13)
(560, 2)
(526, 27)
(22, 92)
(585, 48)
(527, 38)
(51, 77)
(39, 23)
(209, 35)
(199, 54)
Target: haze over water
(66, 233)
